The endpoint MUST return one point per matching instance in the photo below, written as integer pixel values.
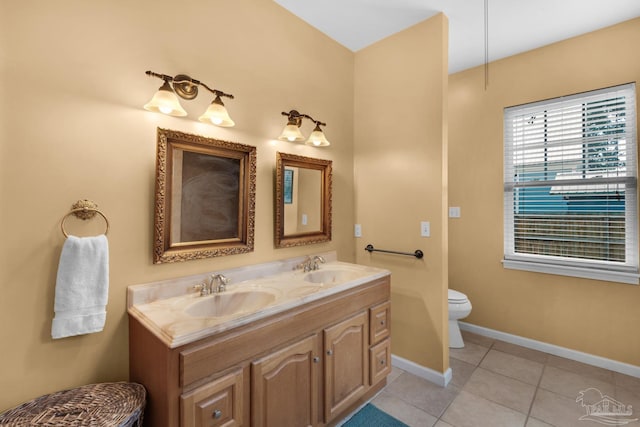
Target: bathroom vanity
(279, 347)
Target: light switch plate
(425, 229)
(454, 212)
(357, 230)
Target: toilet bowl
(459, 308)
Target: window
(570, 186)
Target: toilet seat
(456, 297)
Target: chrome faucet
(304, 265)
(310, 264)
(203, 287)
(317, 259)
(218, 283)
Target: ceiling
(514, 25)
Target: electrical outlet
(357, 230)
(454, 212)
(425, 229)
(304, 219)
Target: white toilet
(459, 308)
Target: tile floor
(500, 384)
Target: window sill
(585, 273)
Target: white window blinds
(570, 181)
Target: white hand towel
(82, 287)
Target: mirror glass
(205, 197)
(303, 200)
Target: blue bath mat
(370, 416)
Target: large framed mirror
(303, 200)
(205, 197)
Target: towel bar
(418, 253)
(84, 210)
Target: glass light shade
(317, 138)
(217, 114)
(291, 133)
(165, 101)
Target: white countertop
(163, 307)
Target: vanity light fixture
(165, 100)
(291, 131)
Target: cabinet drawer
(380, 322)
(380, 356)
(216, 404)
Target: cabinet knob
(382, 362)
(217, 414)
(329, 352)
(316, 359)
(382, 322)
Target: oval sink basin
(331, 277)
(220, 305)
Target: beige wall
(596, 317)
(400, 180)
(72, 84)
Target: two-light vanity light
(165, 100)
(291, 131)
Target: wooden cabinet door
(284, 386)
(346, 364)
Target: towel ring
(84, 210)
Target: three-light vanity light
(291, 131)
(165, 100)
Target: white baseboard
(590, 359)
(439, 378)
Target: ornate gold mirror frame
(205, 197)
(303, 197)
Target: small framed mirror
(205, 197)
(303, 200)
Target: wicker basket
(106, 404)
